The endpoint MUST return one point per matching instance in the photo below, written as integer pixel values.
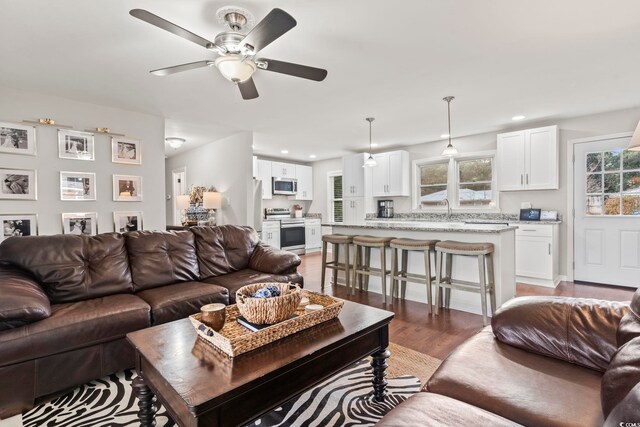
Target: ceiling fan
(236, 59)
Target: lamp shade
(634, 145)
(211, 200)
(450, 151)
(183, 201)
(370, 162)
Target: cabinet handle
(549, 248)
(521, 179)
(527, 229)
(527, 179)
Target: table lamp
(212, 200)
(182, 203)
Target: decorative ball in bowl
(268, 303)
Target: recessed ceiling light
(284, 151)
(444, 135)
(312, 156)
(374, 145)
(516, 118)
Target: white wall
(571, 128)
(17, 105)
(225, 164)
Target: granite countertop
(429, 226)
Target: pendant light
(450, 150)
(370, 162)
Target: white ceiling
(390, 60)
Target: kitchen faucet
(445, 201)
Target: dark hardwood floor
(436, 336)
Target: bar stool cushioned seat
(413, 243)
(372, 241)
(338, 239)
(467, 248)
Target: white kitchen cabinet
(391, 174)
(353, 210)
(528, 160)
(353, 175)
(304, 176)
(313, 235)
(263, 173)
(271, 233)
(537, 254)
(283, 170)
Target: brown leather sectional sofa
(545, 361)
(67, 302)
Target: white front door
(607, 212)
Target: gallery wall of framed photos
(63, 177)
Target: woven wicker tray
(234, 339)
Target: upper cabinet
(391, 175)
(262, 171)
(528, 160)
(283, 170)
(304, 175)
(353, 176)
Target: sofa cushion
(160, 258)
(430, 409)
(224, 249)
(626, 412)
(22, 300)
(629, 327)
(75, 325)
(524, 387)
(72, 268)
(576, 330)
(268, 259)
(180, 300)
(623, 375)
(234, 281)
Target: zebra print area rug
(342, 400)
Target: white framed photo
(77, 186)
(18, 225)
(127, 188)
(126, 150)
(127, 221)
(81, 223)
(17, 184)
(73, 144)
(17, 139)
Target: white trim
(571, 189)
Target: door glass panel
(612, 182)
(612, 205)
(631, 160)
(594, 183)
(631, 182)
(630, 205)
(594, 162)
(612, 160)
(594, 205)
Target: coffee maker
(385, 208)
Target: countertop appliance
(292, 233)
(286, 186)
(385, 208)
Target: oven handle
(292, 226)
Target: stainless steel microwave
(286, 186)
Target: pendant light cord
(449, 118)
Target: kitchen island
(464, 268)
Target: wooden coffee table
(200, 386)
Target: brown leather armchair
(67, 302)
(548, 361)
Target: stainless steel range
(291, 229)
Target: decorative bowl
(268, 310)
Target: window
(613, 183)
(335, 196)
(467, 182)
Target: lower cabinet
(537, 254)
(313, 235)
(271, 233)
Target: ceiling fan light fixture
(235, 68)
(175, 143)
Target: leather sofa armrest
(22, 299)
(268, 259)
(577, 330)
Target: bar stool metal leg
(336, 260)
(324, 265)
(427, 267)
(367, 264)
(405, 259)
(492, 283)
(438, 281)
(394, 273)
(383, 267)
(483, 289)
(447, 298)
(356, 262)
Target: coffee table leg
(146, 402)
(380, 365)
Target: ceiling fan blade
(171, 27)
(248, 89)
(276, 23)
(180, 68)
(297, 70)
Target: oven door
(292, 237)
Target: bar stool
(484, 254)
(365, 270)
(336, 265)
(406, 246)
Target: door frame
(571, 190)
(174, 200)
